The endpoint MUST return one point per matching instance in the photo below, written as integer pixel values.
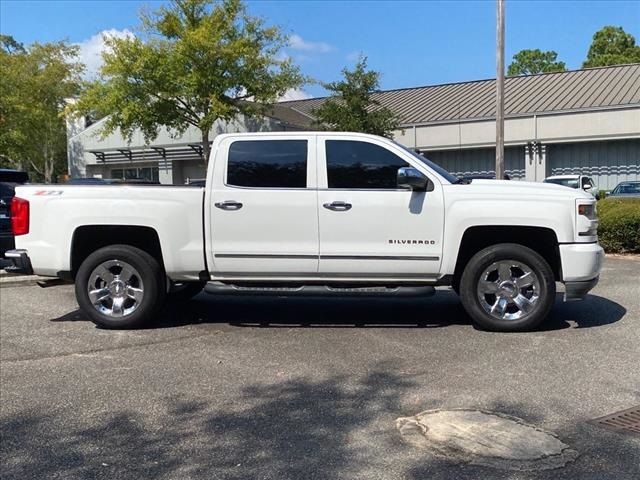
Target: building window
(134, 173)
(268, 164)
(355, 165)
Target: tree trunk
(49, 166)
(206, 149)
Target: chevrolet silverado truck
(312, 213)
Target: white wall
(553, 128)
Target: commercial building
(170, 159)
(582, 121)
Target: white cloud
(91, 50)
(294, 94)
(354, 56)
(296, 42)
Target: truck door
(263, 206)
(368, 226)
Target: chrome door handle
(229, 205)
(338, 206)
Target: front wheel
(507, 287)
(120, 286)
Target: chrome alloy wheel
(115, 288)
(508, 290)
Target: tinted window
(626, 188)
(353, 164)
(268, 164)
(13, 176)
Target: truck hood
(515, 188)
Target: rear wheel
(507, 287)
(120, 286)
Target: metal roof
(290, 116)
(586, 89)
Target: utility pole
(499, 89)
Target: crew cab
(312, 213)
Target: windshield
(627, 188)
(434, 166)
(566, 182)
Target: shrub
(619, 230)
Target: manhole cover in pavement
(485, 438)
(625, 421)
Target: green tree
(352, 106)
(532, 62)
(36, 81)
(612, 46)
(200, 61)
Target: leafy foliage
(201, 61)
(36, 81)
(532, 62)
(612, 46)
(352, 107)
(619, 229)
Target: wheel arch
(542, 240)
(89, 238)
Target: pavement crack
(81, 353)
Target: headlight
(588, 210)
(587, 219)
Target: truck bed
(57, 211)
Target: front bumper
(581, 265)
(20, 262)
(578, 290)
(581, 262)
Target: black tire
(475, 299)
(184, 291)
(148, 275)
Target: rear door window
(267, 164)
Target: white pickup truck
(312, 213)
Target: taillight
(19, 216)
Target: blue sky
(410, 42)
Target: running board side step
(219, 288)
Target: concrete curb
(623, 256)
(17, 280)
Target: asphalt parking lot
(244, 388)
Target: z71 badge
(49, 192)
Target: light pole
(499, 89)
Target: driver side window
(360, 165)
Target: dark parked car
(111, 181)
(481, 176)
(8, 181)
(87, 181)
(626, 190)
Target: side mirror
(410, 178)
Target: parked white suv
(313, 213)
(575, 181)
